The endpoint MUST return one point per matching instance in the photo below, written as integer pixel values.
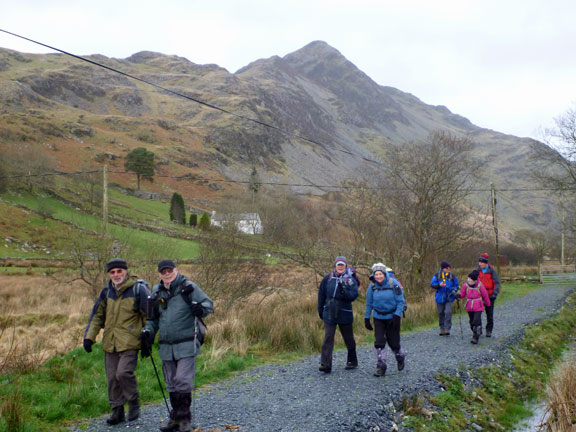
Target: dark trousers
(475, 321)
(347, 332)
(444, 315)
(179, 374)
(490, 315)
(384, 332)
(122, 385)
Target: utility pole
(495, 224)
(563, 214)
(105, 202)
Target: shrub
(204, 223)
(177, 210)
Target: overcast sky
(507, 65)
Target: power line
(198, 101)
(215, 180)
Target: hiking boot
(325, 369)
(380, 372)
(351, 365)
(133, 410)
(400, 357)
(117, 416)
(183, 414)
(172, 426)
(488, 333)
(475, 338)
(442, 332)
(183, 426)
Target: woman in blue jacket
(336, 292)
(446, 285)
(385, 301)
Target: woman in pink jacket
(476, 296)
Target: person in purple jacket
(476, 297)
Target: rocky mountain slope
(79, 112)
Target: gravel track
(296, 397)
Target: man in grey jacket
(180, 305)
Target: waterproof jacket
(476, 296)
(384, 300)
(335, 296)
(174, 320)
(121, 313)
(445, 294)
(490, 280)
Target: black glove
(368, 324)
(492, 297)
(197, 309)
(88, 345)
(456, 295)
(396, 320)
(146, 342)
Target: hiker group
(131, 316)
(480, 291)
(386, 303)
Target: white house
(248, 223)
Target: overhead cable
(201, 102)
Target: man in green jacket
(120, 310)
(180, 305)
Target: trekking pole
(460, 319)
(160, 383)
(194, 376)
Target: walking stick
(460, 319)
(194, 376)
(160, 384)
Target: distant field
(32, 227)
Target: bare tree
(558, 156)
(226, 274)
(426, 187)
(29, 164)
(90, 253)
(90, 187)
(557, 163)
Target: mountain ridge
(314, 92)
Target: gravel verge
(296, 397)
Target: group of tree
(178, 214)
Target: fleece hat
(445, 264)
(165, 264)
(340, 260)
(379, 267)
(116, 263)
(474, 275)
(484, 258)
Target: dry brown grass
(518, 271)
(561, 409)
(39, 318)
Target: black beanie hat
(474, 275)
(445, 264)
(116, 263)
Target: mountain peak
(314, 50)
